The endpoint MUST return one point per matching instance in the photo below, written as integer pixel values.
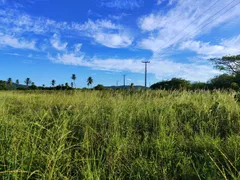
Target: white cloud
(170, 2)
(118, 17)
(122, 4)
(14, 42)
(57, 44)
(226, 47)
(162, 69)
(179, 23)
(113, 40)
(77, 48)
(18, 23)
(68, 59)
(106, 33)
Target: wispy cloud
(225, 47)
(106, 33)
(122, 4)
(178, 24)
(103, 31)
(170, 2)
(14, 42)
(57, 44)
(161, 68)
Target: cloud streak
(122, 4)
(162, 69)
(178, 24)
(14, 42)
(103, 32)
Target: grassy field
(119, 135)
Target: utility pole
(124, 80)
(146, 62)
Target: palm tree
(72, 84)
(74, 77)
(17, 81)
(66, 85)
(89, 81)
(53, 82)
(27, 81)
(9, 81)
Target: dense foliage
(119, 135)
(224, 81)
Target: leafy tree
(3, 85)
(99, 87)
(9, 82)
(199, 86)
(229, 64)
(53, 83)
(17, 81)
(89, 81)
(74, 77)
(33, 86)
(235, 86)
(223, 81)
(27, 81)
(173, 84)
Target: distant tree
(66, 85)
(89, 81)
(33, 86)
(74, 77)
(132, 86)
(230, 64)
(27, 81)
(99, 87)
(223, 81)
(9, 82)
(71, 84)
(17, 81)
(3, 85)
(43, 85)
(53, 83)
(199, 86)
(173, 84)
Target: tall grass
(119, 135)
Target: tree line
(29, 84)
(229, 80)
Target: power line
(192, 22)
(190, 33)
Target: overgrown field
(119, 135)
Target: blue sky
(52, 39)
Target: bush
(99, 87)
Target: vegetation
(53, 83)
(99, 87)
(27, 81)
(229, 64)
(119, 135)
(74, 77)
(89, 81)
